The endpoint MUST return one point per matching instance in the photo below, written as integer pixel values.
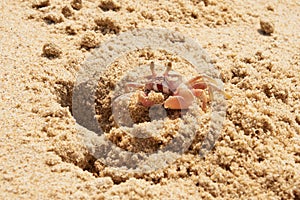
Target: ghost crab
(180, 94)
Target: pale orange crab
(180, 94)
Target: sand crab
(180, 94)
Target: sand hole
(170, 133)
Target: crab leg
(212, 86)
(202, 96)
(132, 85)
(199, 83)
(200, 78)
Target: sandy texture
(255, 46)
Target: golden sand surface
(254, 44)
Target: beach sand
(44, 155)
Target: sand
(255, 47)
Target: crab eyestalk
(152, 69)
(168, 69)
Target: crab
(180, 94)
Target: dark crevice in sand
(64, 91)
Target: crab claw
(182, 99)
(185, 100)
(176, 102)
